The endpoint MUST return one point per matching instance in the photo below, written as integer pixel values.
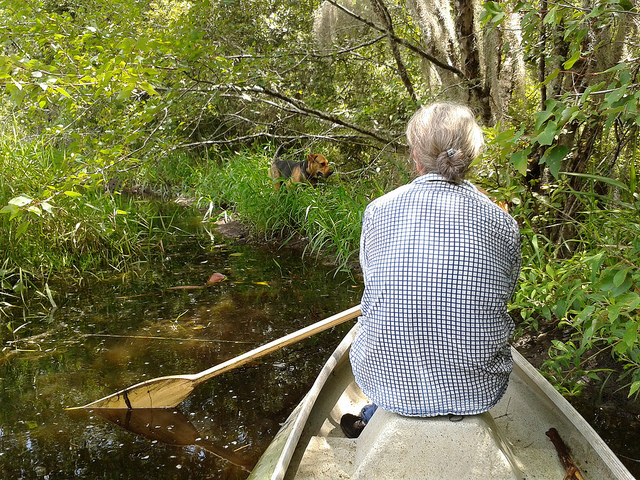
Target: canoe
(511, 441)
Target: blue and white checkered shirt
(440, 263)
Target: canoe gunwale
(534, 379)
(298, 419)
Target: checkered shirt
(440, 263)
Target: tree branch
(384, 16)
(318, 113)
(230, 141)
(300, 107)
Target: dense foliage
(101, 99)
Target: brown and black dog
(309, 170)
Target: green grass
(56, 218)
(329, 215)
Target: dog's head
(318, 166)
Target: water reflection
(122, 330)
(167, 425)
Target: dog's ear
(312, 157)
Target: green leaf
(35, 209)
(12, 210)
(619, 66)
(600, 178)
(626, 5)
(590, 89)
(125, 93)
(574, 58)
(620, 277)
(634, 388)
(493, 13)
(611, 98)
(569, 114)
(70, 193)
(63, 92)
(20, 201)
(551, 76)
(631, 334)
(595, 261)
(613, 312)
(630, 300)
(22, 228)
(547, 136)
(620, 348)
(560, 346)
(147, 87)
(622, 288)
(586, 313)
(550, 17)
(553, 158)
(519, 160)
(542, 117)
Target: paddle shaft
(282, 342)
(167, 392)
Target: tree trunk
(565, 228)
(470, 58)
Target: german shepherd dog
(309, 170)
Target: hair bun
(452, 165)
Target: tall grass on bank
(329, 215)
(56, 218)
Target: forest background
(102, 101)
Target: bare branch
(383, 14)
(296, 106)
(265, 135)
(319, 114)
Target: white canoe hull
(509, 442)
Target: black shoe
(352, 425)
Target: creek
(113, 332)
(109, 334)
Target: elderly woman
(440, 263)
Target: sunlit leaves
(492, 14)
(78, 67)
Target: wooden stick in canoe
(167, 392)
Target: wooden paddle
(167, 392)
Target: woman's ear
(419, 167)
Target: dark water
(109, 334)
(114, 333)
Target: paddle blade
(163, 392)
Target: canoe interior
(508, 442)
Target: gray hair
(444, 138)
